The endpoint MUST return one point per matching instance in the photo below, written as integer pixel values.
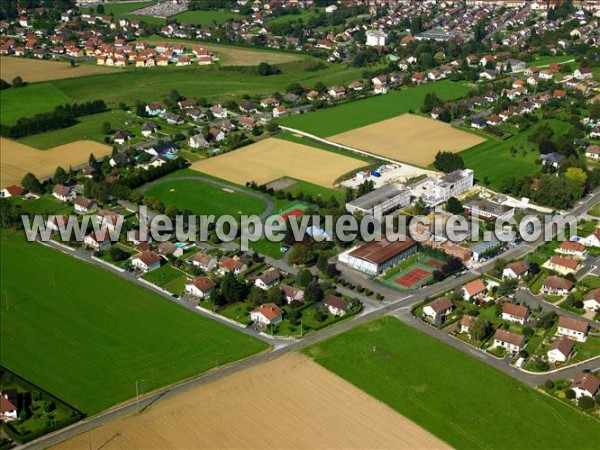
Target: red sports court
(413, 277)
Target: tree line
(62, 117)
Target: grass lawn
(595, 211)
(46, 205)
(330, 121)
(453, 395)
(205, 18)
(204, 198)
(166, 275)
(492, 159)
(29, 100)
(315, 191)
(86, 335)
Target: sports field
(205, 198)
(272, 159)
(32, 70)
(408, 138)
(413, 273)
(87, 335)
(17, 159)
(306, 407)
(453, 395)
(332, 121)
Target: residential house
(235, 265)
(155, 109)
(591, 301)
(475, 290)
(84, 205)
(119, 159)
(583, 73)
(198, 141)
(572, 248)
(98, 240)
(337, 92)
(8, 408)
(593, 240)
(466, 323)
(517, 269)
(292, 294)
(552, 159)
(268, 279)
(200, 287)
(217, 135)
(560, 350)
(562, 265)
(515, 313)
(511, 342)
(170, 249)
(56, 223)
(556, 285)
(572, 328)
(218, 112)
(203, 261)
(585, 384)
(336, 305)
(149, 128)
(146, 261)
(109, 219)
(12, 191)
(437, 310)
(63, 193)
(267, 314)
(122, 136)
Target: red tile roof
(572, 324)
(270, 310)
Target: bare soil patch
(282, 183)
(290, 402)
(408, 138)
(33, 70)
(272, 159)
(17, 159)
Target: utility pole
(137, 394)
(301, 329)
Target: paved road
(399, 307)
(270, 206)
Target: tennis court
(296, 210)
(413, 275)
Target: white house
(591, 301)
(98, 240)
(8, 410)
(267, 314)
(572, 328)
(438, 309)
(292, 294)
(516, 269)
(560, 350)
(336, 305)
(200, 287)
(585, 384)
(12, 191)
(146, 261)
(203, 261)
(466, 323)
(515, 313)
(83, 205)
(376, 38)
(511, 342)
(474, 289)
(268, 279)
(63, 193)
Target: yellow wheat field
(408, 138)
(271, 159)
(17, 159)
(32, 70)
(288, 403)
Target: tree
(528, 331)
(549, 384)
(304, 277)
(546, 321)
(454, 206)
(3, 84)
(570, 394)
(32, 184)
(322, 263)
(448, 161)
(576, 178)
(320, 316)
(313, 293)
(274, 295)
(106, 128)
(18, 82)
(72, 62)
(480, 329)
(585, 402)
(256, 296)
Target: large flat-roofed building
(377, 256)
(488, 210)
(378, 202)
(450, 185)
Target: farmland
(308, 407)
(18, 159)
(332, 121)
(29, 100)
(272, 159)
(86, 336)
(461, 400)
(32, 70)
(492, 159)
(204, 198)
(408, 138)
(205, 18)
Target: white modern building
(450, 185)
(376, 38)
(376, 203)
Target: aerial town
(424, 177)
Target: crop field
(86, 335)
(408, 138)
(461, 400)
(29, 100)
(332, 121)
(492, 158)
(32, 70)
(18, 159)
(204, 198)
(307, 407)
(272, 159)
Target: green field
(29, 100)
(492, 159)
(120, 9)
(205, 18)
(204, 198)
(86, 335)
(595, 211)
(453, 395)
(331, 121)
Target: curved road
(270, 206)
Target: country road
(398, 307)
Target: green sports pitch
(461, 400)
(87, 336)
